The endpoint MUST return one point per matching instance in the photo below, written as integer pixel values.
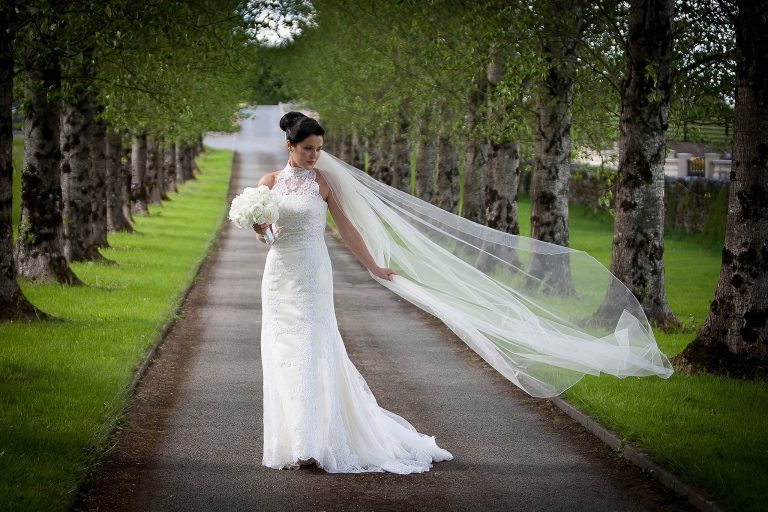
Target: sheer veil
(540, 314)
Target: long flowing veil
(541, 314)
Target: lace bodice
(302, 209)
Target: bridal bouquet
(255, 206)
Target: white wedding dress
(317, 406)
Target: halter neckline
(296, 170)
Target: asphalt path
(511, 452)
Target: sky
(278, 26)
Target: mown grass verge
(64, 383)
(709, 430)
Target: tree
(172, 69)
(40, 243)
(552, 141)
(77, 182)
(426, 157)
(13, 304)
(117, 186)
(139, 193)
(637, 258)
(418, 86)
(734, 338)
(476, 152)
(98, 219)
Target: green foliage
(173, 68)
(596, 111)
(705, 46)
(265, 85)
(370, 65)
(63, 382)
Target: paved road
(511, 452)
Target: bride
(479, 281)
(317, 406)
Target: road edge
(142, 369)
(83, 488)
(696, 497)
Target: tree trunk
(40, 243)
(153, 174)
(162, 179)
(502, 179)
(358, 151)
(447, 180)
(139, 192)
(426, 159)
(184, 162)
(169, 163)
(501, 187)
(637, 258)
(401, 164)
(126, 173)
(13, 304)
(475, 154)
(115, 185)
(552, 148)
(77, 181)
(99, 184)
(179, 152)
(369, 148)
(382, 168)
(345, 146)
(189, 162)
(401, 156)
(734, 339)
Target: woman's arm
(269, 181)
(354, 241)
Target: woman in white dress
(477, 280)
(317, 406)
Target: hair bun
(289, 118)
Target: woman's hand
(384, 272)
(260, 229)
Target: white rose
(257, 211)
(270, 213)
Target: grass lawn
(710, 430)
(63, 383)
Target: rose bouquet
(255, 206)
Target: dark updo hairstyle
(298, 127)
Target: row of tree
(459, 91)
(114, 97)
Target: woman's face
(306, 152)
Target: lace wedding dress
(317, 406)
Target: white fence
(680, 165)
(711, 166)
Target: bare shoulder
(325, 190)
(269, 179)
